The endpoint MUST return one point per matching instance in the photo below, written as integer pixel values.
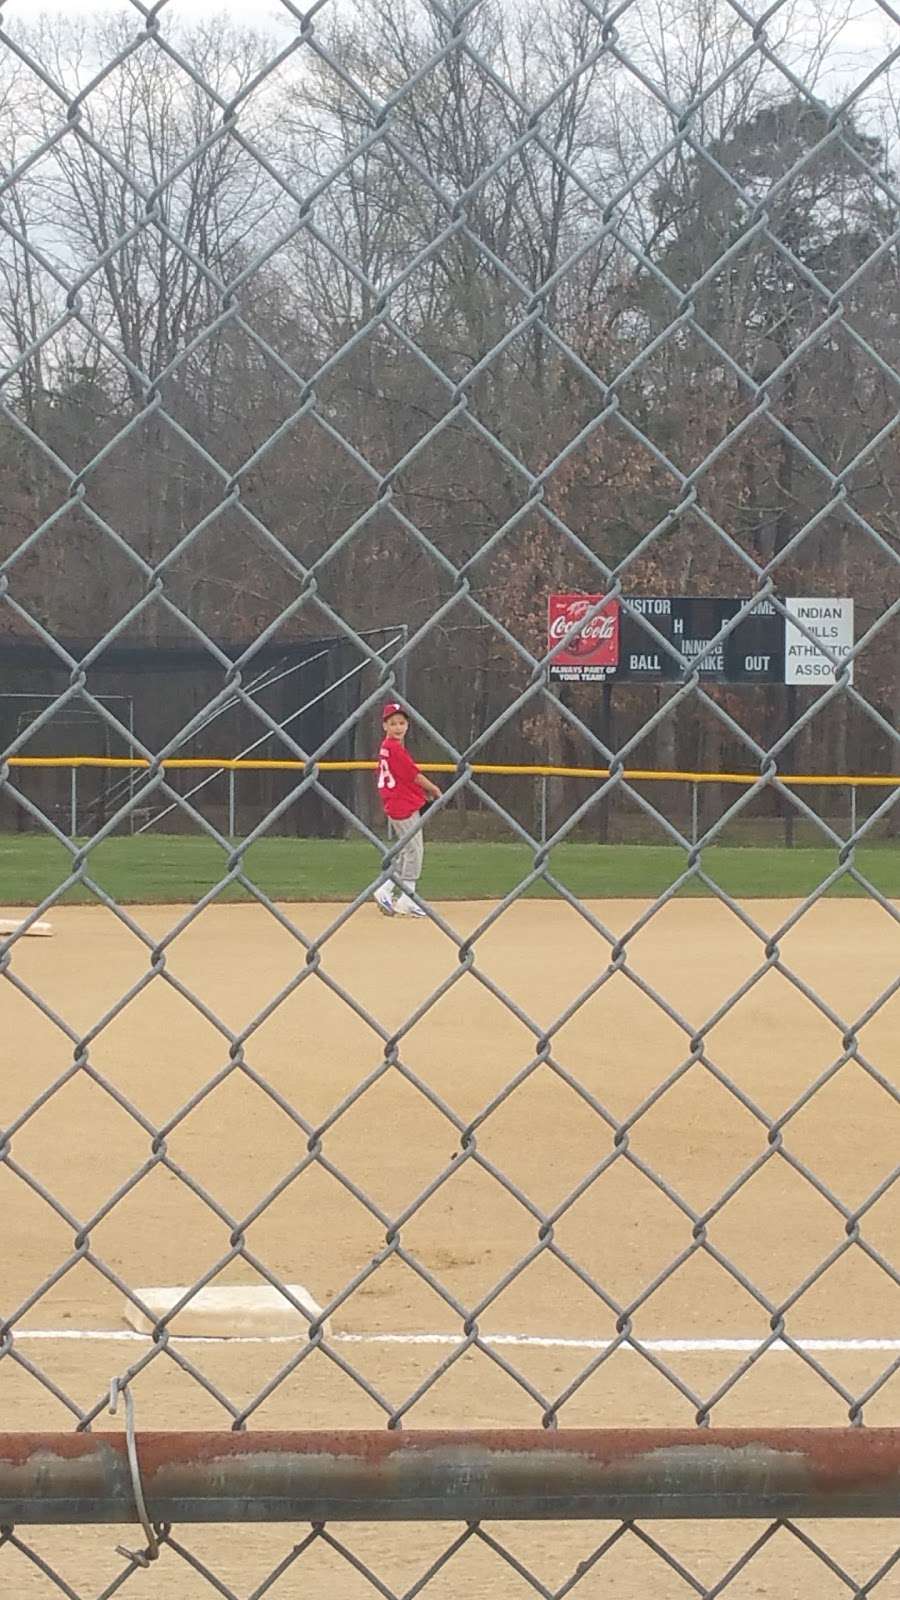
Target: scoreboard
(596, 640)
(752, 653)
(606, 640)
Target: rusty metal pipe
(460, 1476)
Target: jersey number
(386, 779)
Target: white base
(225, 1312)
(39, 930)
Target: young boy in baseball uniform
(403, 791)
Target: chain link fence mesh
(480, 1560)
(161, 379)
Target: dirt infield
(393, 1141)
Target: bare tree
(460, 244)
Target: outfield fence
(429, 313)
(845, 788)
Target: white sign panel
(827, 619)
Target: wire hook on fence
(152, 1533)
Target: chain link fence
(375, 317)
(497, 1562)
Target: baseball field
(551, 1127)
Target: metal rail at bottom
(603, 1474)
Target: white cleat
(385, 901)
(406, 907)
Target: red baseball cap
(391, 710)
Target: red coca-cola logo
(596, 643)
(602, 626)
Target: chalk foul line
(714, 1346)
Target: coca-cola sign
(592, 651)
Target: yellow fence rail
(230, 766)
(633, 774)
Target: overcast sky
(868, 20)
(256, 11)
(868, 34)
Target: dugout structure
(169, 695)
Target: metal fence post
(231, 803)
(403, 674)
(132, 771)
(73, 803)
(788, 764)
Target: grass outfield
(171, 868)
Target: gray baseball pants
(407, 864)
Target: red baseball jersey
(397, 771)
